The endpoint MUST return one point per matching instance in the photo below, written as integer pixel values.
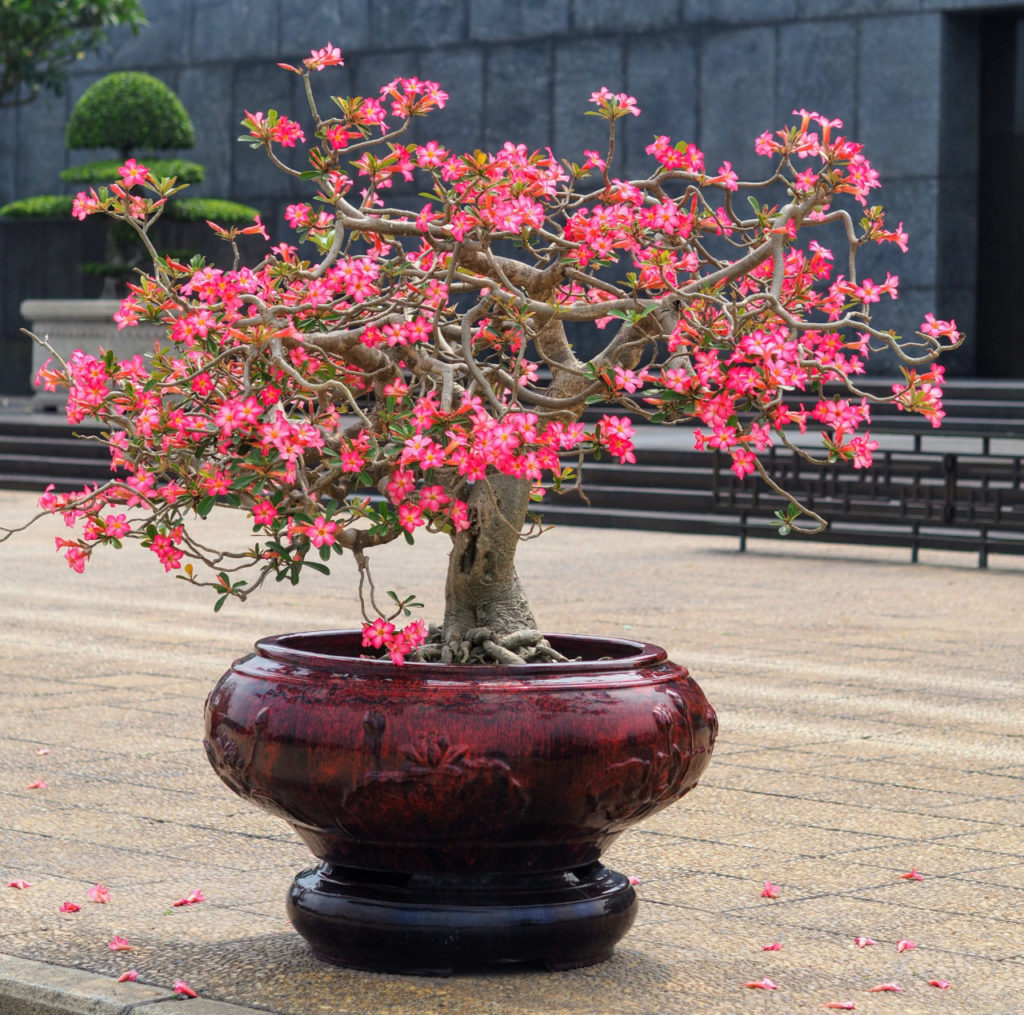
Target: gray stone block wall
(715, 72)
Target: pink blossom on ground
(763, 984)
(842, 1005)
(905, 946)
(38, 784)
(911, 875)
(885, 988)
(181, 987)
(863, 942)
(70, 907)
(99, 893)
(19, 883)
(770, 891)
(119, 944)
(191, 900)
(941, 984)
(775, 946)
(128, 975)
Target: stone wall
(901, 74)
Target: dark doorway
(1000, 321)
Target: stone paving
(871, 725)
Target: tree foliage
(41, 39)
(129, 110)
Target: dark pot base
(439, 924)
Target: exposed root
(482, 645)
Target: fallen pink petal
(181, 987)
(912, 875)
(190, 900)
(863, 942)
(764, 984)
(38, 784)
(18, 883)
(770, 891)
(842, 1005)
(42, 751)
(941, 984)
(70, 907)
(881, 987)
(775, 946)
(118, 944)
(633, 879)
(905, 946)
(129, 975)
(99, 893)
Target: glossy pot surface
(427, 768)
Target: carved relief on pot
(441, 788)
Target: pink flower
(133, 172)
(770, 891)
(329, 56)
(905, 946)
(634, 880)
(863, 942)
(18, 883)
(118, 944)
(941, 984)
(743, 464)
(264, 512)
(763, 984)
(190, 900)
(912, 875)
(776, 946)
(181, 987)
(891, 988)
(377, 633)
(70, 907)
(321, 532)
(128, 975)
(843, 1005)
(99, 893)
(38, 784)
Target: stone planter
(459, 812)
(81, 324)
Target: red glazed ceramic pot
(459, 811)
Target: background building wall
(903, 75)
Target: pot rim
(630, 655)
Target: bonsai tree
(400, 370)
(130, 111)
(40, 39)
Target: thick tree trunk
(483, 590)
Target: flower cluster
(363, 381)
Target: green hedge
(185, 209)
(129, 110)
(105, 170)
(224, 213)
(44, 206)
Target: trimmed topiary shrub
(105, 170)
(129, 110)
(42, 206)
(199, 209)
(183, 209)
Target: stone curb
(28, 987)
